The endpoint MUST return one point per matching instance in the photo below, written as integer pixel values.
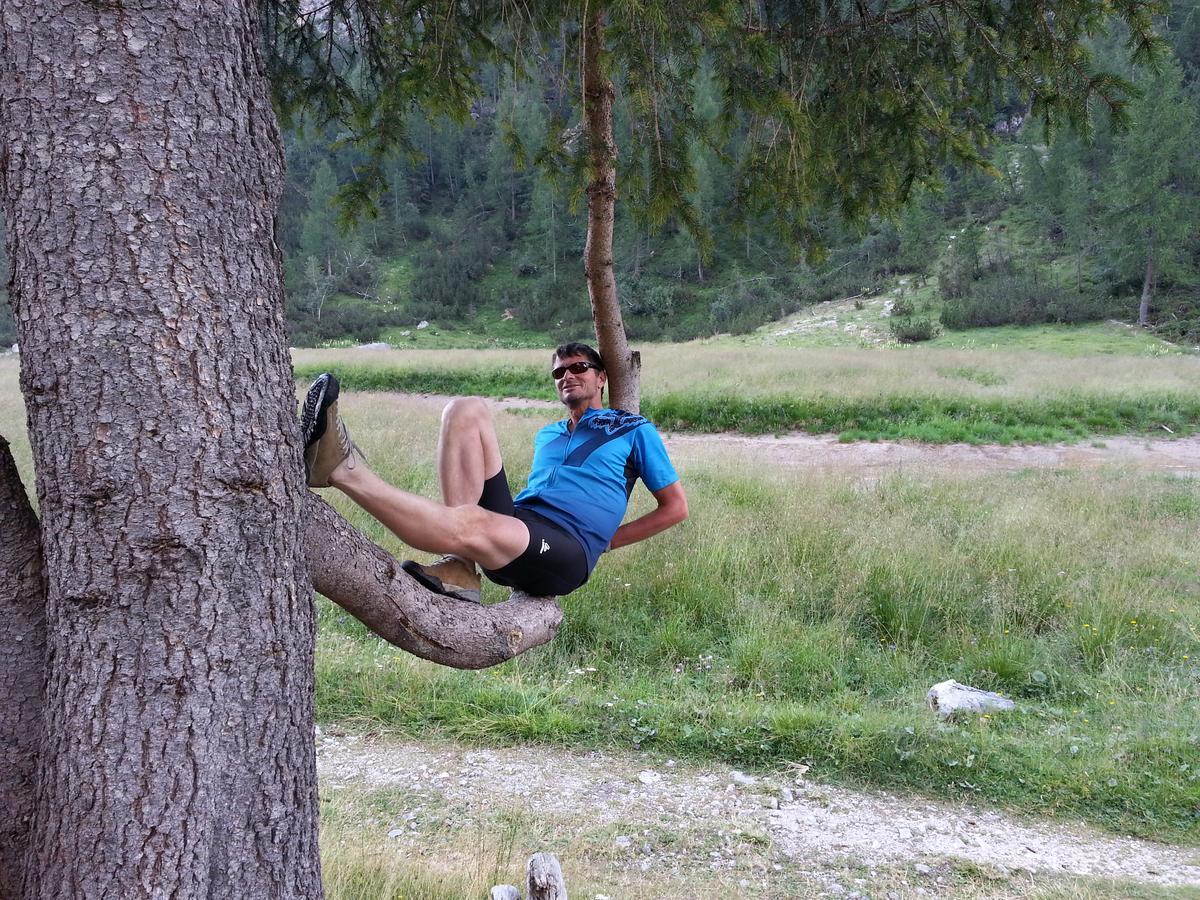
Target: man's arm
(672, 509)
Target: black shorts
(552, 565)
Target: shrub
(913, 329)
(902, 306)
(358, 321)
(1180, 321)
(444, 283)
(745, 304)
(1017, 299)
(550, 305)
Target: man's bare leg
(467, 531)
(468, 453)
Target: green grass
(524, 381)
(945, 418)
(803, 617)
(1066, 340)
(931, 419)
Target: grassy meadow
(936, 395)
(800, 616)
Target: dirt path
(1173, 456)
(1167, 455)
(655, 816)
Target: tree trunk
(1147, 291)
(141, 176)
(22, 669)
(623, 365)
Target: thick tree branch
(349, 569)
(22, 668)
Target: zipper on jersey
(566, 453)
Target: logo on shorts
(545, 547)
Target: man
(545, 542)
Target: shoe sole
(322, 394)
(435, 584)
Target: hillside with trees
(474, 238)
(471, 234)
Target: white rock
(950, 697)
(922, 869)
(396, 832)
(742, 778)
(378, 345)
(623, 841)
(422, 324)
(648, 777)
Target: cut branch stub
(349, 569)
(545, 878)
(22, 668)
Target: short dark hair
(575, 348)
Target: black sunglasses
(575, 368)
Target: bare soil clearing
(1166, 455)
(642, 814)
(1171, 456)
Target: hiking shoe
(315, 416)
(333, 448)
(450, 575)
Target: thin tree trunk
(1147, 291)
(624, 365)
(141, 178)
(553, 244)
(22, 669)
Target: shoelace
(451, 558)
(348, 447)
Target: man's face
(578, 389)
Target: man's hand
(672, 509)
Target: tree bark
(141, 176)
(1147, 291)
(351, 571)
(623, 365)
(22, 669)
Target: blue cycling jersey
(581, 480)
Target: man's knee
(465, 410)
(470, 529)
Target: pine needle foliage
(825, 104)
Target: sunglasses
(575, 368)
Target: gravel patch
(793, 822)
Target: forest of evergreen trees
(473, 236)
(1086, 226)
